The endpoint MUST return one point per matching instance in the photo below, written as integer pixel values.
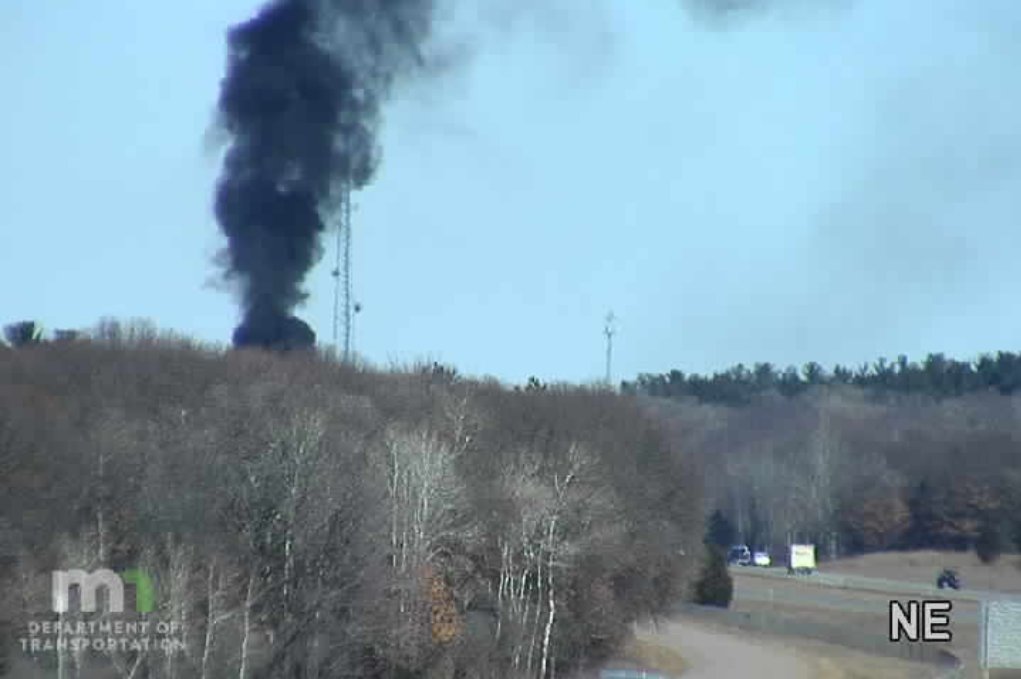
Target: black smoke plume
(301, 104)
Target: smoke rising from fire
(301, 104)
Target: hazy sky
(829, 185)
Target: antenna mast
(609, 329)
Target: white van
(801, 560)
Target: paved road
(852, 593)
(875, 585)
(836, 599)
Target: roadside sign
(1000, 635)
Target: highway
(802, 594)
(854, 606)
(861, 583)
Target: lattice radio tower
(342, 311)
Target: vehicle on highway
(739, 555)
(948, 579)
(761, 558)
(801, 560)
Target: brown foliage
(261, 489)
(877, 520)
(445, 622)
(839, 467)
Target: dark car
(739, 555)
(948, 579)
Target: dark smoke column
(300, 101)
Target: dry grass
(840, 665)
(832, 661)
(655, 656)
(965, 632)
(923, 566)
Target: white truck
(801, 560)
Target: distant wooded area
(936, 376)
(891, 455)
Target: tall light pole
(609, 329)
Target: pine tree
(989, 544)
(714, 587)
(721, 531)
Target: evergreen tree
(23, 333)
(721, 532)
(989, 545)
(714, 587)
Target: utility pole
(609, 329)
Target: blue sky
(829, 185)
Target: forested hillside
(304, 518)
(890, 456)
(300, 516)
